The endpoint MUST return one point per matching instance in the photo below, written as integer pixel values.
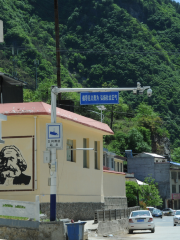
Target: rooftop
(41, 108)
(12, 80)
(145, 154)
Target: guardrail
(20, 208)
(113, 214)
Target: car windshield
(140, 213)
(156, 211)
(177, 212)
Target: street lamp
(54, 92)
(101, 108)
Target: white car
(141, 220)
(169, 212)
(176, 218)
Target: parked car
(169, 211)
(157, 213)
(150, 209)
(176, 218)
(141, 220)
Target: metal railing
(113, 214)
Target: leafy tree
(132, 189)
(176, 155)
(150, 193)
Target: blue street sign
(91, 98)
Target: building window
(179, 190)
(174, 175)
(121, 168)
(104, 159)
(71, 154)
(178, 175)
(112, 162)
(85, 153)
(118, 167)
(97, 155)
(173, 188)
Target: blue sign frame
(54, 135)
(91, 98)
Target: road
(164, 229)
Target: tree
(176, 155)
(150, 193)
(132, 189)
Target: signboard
(54, 135)
(91, 98)
(175, 196)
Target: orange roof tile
(41, 108)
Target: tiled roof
(40, 108)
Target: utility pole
(36, 63)
(14, 72)
(57, 46)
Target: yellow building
(23, 173)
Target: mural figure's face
(11, 168)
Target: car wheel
(153, 230)
(130, 231)
(174, 225)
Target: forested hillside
(103, 43)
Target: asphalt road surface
(164, 229)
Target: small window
(104, 159)
(118, 167)
(121, 168)
(173, 175)
(85, 160)
(71, 154)
(97, 155)
(178, 175)
(112, 162)
(173, 188)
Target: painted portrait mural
(16, 164)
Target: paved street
(164, 230)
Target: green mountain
(118, 42)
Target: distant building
(11, 89)
(113, 162)
(154, 165)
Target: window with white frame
(70, 152)
(173, 188)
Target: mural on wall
(16, 164)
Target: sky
(177, 1)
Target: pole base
(53, 207)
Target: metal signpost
(54, 92)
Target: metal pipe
(35, 152)
(53, 170)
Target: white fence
(20, 208)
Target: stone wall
(115, 202)
(76, 211)
(111, 227)
(83, 211)
(14, 230)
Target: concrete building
(112, 161)
(156, 166)
(174, 200)
(82, 186)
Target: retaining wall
(27, 230)
(83, 210)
